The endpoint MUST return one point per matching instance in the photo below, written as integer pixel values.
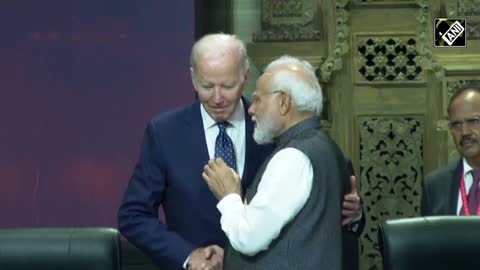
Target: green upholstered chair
(440, 243)
(60, 249)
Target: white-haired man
(291, 213)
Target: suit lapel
(194, 136)
(456, 172)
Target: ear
(246, 76)
(285, 103)
(192, 75)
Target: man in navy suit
(176, 147)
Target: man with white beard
(291, 214)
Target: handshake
(206, 258)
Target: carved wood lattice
(391, 172)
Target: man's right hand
(207, 258)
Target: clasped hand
(207, 258)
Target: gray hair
(218, 45)
(304, 90)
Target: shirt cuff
(353, 227)
(359, 217)
(227, 201)
(185, 264)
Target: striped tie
(224, 146)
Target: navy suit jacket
(168, 173)
(440, 190)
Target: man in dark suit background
(454, 189)
(175, 148)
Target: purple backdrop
(78, 82)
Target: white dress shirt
(283, 191)
(236, 131)
(468, 177)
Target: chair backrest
(443, 242)
(60, 249)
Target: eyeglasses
(256, 98)
(473, 122)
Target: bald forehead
(216, 39)
(292, 70)
(215, 47)
(472, 93)
(468, 95)
(468, 100)
(210, 54)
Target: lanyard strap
(463, 192)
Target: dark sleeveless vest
(312, 240)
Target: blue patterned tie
(224, 146)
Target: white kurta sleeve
(283, 191)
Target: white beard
(265, 130)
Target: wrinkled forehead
(217, 53)
(218, 60)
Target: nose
(465, 128)
(217, 95)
